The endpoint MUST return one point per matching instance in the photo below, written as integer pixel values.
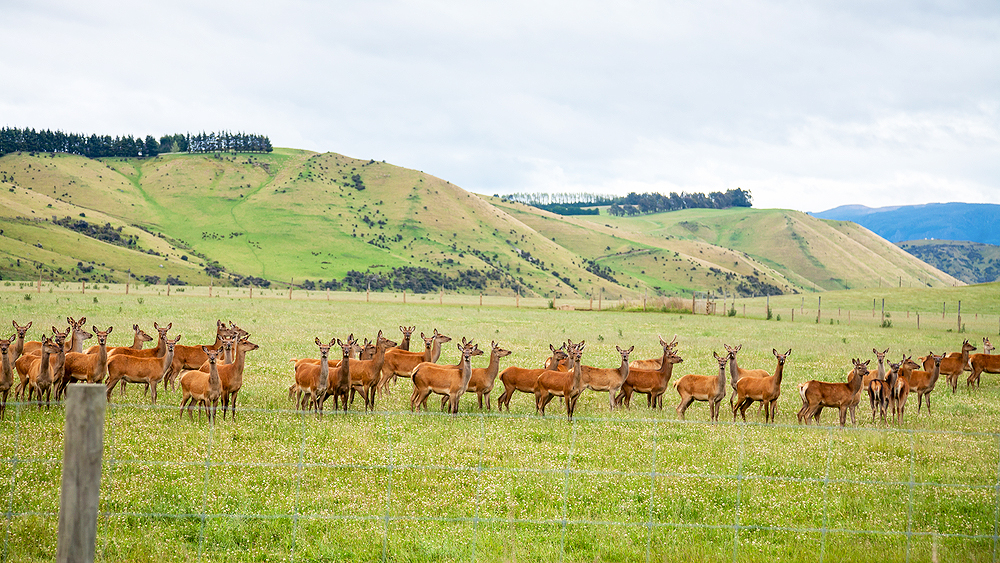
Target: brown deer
(158, 351)
(953, 365)
(40, 370)
(482, 380)
(654, 364)
(133, 369)
(407, 331)
(444, 380)
(651, 382)
(987, 362)
(139, 339)
(516, 378)
(899, 387)
(86, 367)
(879, 394)
(192, 357)
(558, 360)
(763, 389)
(228, 345)
(6, 370)
(736, 372)
(817, 394)
(231, 375)
(608, 379)
(202, 388)
(365, 374)
(566, 384)
(872, 375)
(922, 382)
(340, 385)
(711, 389)
(312, 380)
(17, 348)
(399, 362)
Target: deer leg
(684, 404)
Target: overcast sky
(807, 104)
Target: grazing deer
(17, 348)
(365, 374)
(312, 380)
(399, 362)
(736, 372)
(608, 379)
(86, 367)
(482, 380)
(654, 364)
(953, 365)
(651, 382)
(202, 388)
(443, 380)
(38, 372)
(566, 384)
(763, 389)
(133, 369)
(817, 394)
(139, 339)
(711, 389)
(987, 362)
(6, 370)
(921, 382)
(407, 331)
(516, 378)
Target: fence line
(570, 474)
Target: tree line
(633, 203)
(13, 139)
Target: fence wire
(25, 450)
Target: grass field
(635, 485)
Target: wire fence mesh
(390, 486)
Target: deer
(558, 360)
(6, 370)
(86, 367)
(407, 331)
(399, 362)
(231, 375)
(135, 369)
(953, 365)
(228, 344)
(922, 382)
(17, 348)
(516, 378)
(654, 363)
(608, 379)
(817, 394)
(873, 375)
(651, 382)
(880, 395)
(192, 357)
(202, 388)
(482, 380)
(444, 380)
(365, 374)
(987, 362)
(139, 339)
(40, 370)
(156, 352)
(899, 388)
(312, 380)
(736, 372)
(340, 385)
(566, 384)
(711, 389)
(763, 389)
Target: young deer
(516, 378)
(566, 384)
(922, 382)
(312, 380)
(711, 389)
(202, 388)
(407, 331)
(231, 375)
(139, 339)
(654, 364)
(6, 370)
(340, 385)
(17, 348)
(134, 369)
(872, 375)
(651, 382)
(899, 387)
(608, 379)
(365, 374)
(399, 362)
(763, 389)
(736, 372)
(987, 362)
(86, 367)
(818, 394)
(192, 357)
(156, 352)
(38, 372)
(443, 380)
(879, 394)
(953, 365)
(482, 380)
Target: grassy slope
(971, 262)
(295, 214)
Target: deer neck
(623, 369)
(344, 371)
(44, 369)
(778, 372)
(324, 373)
(101, 369)
(577, 376)
(881, 369)
(166, 360)
(7, 375)
(435, 351)
(935, 373)
(17, 347)
(493, 367)
(734, 371)
(75, 343)
(466, 373)
(405, 343)
(855, 384)
(214, 381)
(137, 342)
(722, 374)
(161, 347)
(379, 358)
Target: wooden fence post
(960, 315)
(83, 449)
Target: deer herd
(211, 375)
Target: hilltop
(321, 220)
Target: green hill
(295, 215)
(971, 262)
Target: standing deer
(202, 388)
(340, 385)
(922, 382)
(817, 394)
(38, 372)
(987, 362)
(566, 384)
(399, 362)
(482, 380)
(736, 372)
(763, 389)
(654, 364)
(134, 369)
(407, 331)
(86, 367)
(516, 378)
(953, 365)
(312, 380)
(711, 389)
(6, 370)
(651, 382)
(443, 380)
(365, 374)
(608, 379)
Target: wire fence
(389, 486)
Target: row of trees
(13, 139)
(633, 203)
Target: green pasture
(628, 485)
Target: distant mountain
(975, 222)
(971, 262)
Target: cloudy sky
(807, 104)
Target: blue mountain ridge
(975, 222)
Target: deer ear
(788, 353)
(178, 339)
(318, 343)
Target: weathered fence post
(883, 311)
(83, 288)
(819, 309)
(959, 315)
(81, 475)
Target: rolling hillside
(298, 216)
(971, 262)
